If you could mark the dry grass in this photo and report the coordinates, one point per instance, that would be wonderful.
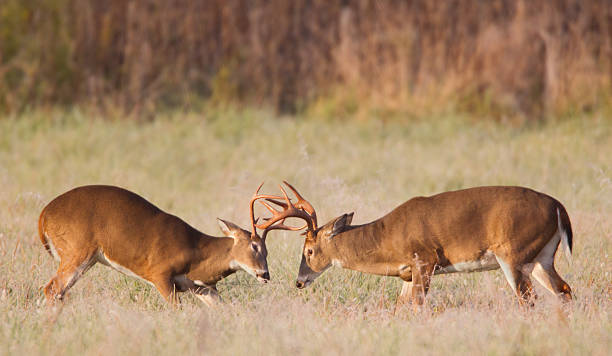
(201, 169)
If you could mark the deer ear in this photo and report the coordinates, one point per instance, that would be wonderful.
(229, 229)
(349, 218)
(340, 224)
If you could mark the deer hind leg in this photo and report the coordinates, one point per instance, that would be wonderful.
(525, 290)
(67, 275)
(518, 281)
(544, 271)
(548, 277)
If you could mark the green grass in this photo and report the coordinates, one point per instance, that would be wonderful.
(202, 166)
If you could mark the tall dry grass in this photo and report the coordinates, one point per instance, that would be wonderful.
(496, 59)
(200, 168)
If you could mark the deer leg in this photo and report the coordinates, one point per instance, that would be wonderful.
(67, 275)
(208, 295)
(406, 293)
(421, 278)
(52, 288)
(167, 288)
(518, 281)
(525, 290)
(548, 277)
(544, 272)
(406, 276)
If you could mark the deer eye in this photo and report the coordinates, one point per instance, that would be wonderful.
(309, 252)
(254, 247)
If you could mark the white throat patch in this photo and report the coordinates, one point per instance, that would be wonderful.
(235, 265)
(336, 263)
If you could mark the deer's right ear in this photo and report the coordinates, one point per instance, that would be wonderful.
(229, 229)
(349, 218)
(340, 223)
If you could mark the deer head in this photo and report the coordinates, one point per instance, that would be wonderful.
(314, 258)
(249, 251)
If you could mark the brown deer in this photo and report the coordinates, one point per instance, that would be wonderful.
(476, 229)
(122, 230)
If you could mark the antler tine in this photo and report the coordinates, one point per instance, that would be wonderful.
(256, 197)
(302, 210)
(278, 215)
(279, 203)
(281, 226)
(286, 196)
(258, 188)
(277, 221)
(289, 204)
(269, 207)
(303, 203)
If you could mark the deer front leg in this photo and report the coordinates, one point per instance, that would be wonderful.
(406, 293)
(416, 277)
(207, 294)
(167, 288)
(421, 278)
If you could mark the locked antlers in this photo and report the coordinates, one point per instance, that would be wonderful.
(302, 209)
(256, 197)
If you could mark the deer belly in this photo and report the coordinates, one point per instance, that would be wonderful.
(102, 258)
(486, 262)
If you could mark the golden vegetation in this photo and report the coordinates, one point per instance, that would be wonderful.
(396, 59)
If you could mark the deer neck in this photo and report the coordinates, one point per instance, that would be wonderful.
(359, 249)
(213, 262)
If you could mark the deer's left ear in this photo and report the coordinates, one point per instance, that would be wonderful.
(229, 229)
(340, 224)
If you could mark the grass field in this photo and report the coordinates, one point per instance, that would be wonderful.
(204, 166)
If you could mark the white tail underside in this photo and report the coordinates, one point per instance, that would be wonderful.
(564, 238)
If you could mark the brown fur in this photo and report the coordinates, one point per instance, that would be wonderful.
(427, 234)
(86, 222)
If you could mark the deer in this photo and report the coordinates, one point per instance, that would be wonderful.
(124, 231)
(513, 228)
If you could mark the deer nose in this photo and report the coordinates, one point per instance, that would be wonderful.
(299, 284)
(265, 275)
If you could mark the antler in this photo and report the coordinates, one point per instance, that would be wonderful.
(303, 204)
(302, 209)
(289, 210)
(256, 197)
(278, 216)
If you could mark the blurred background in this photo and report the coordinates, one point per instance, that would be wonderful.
(499, 59)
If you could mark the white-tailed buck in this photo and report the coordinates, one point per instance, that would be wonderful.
(124, 231)
(477, 229)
